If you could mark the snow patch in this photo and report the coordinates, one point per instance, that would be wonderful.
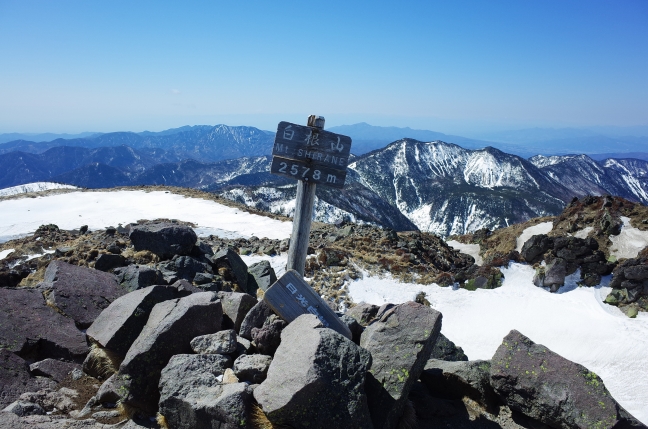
(583, 233)
(33, 187)
(629, 242)
(541, 228)
(575, 324)
(98, 210)
(5, 253)
(468, 249)
(278, 262)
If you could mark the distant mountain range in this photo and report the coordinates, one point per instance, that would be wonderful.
(406, 184)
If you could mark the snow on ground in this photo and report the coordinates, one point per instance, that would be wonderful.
(575, 324)
(629, 242)
(33, 187)
(98, 210)
(541, 228)
(583, 233)
(5, 253)
(468, 249)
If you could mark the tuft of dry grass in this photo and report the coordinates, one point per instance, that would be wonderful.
(103, 361)
(161, 421)
(259, 420)
(126, 411)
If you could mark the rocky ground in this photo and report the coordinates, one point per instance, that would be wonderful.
(145, 325)
(582, 238)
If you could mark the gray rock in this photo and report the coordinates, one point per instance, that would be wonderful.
(134, 277)
(185, 288)
(400, 340)
(108, 261)
(316, 379)
(354, 327)
(168, 331)
(235, 306)
(15, 379)
(455, 380)
(117, 327)
(363, 313)
(268, 337)
(539, 383)
(222, 342)
(29, 327)
(78, 292)
(192, 397)
(255, 319)
(555, 273)
(164, 239)
(111, 391)
(55, 369)
(252, 368)
(263, 276)
(187, 267)
(535, 247)
(230, 259)
(243, 347)
(21, 408)
(63, 399)
(444, 349)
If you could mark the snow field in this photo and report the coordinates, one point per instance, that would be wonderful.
(33, 187)
(468, 249)
(541, 228)
(98, 210)
(629, 242)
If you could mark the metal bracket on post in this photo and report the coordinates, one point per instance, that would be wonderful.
(303, 215)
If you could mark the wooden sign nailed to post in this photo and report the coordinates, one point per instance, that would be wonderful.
(291, 296)
(310, 154)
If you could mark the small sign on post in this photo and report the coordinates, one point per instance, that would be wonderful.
(291, 296)
(310, 154)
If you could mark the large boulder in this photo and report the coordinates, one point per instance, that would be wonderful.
(78, 292)
(252, 368)
(32, 329)
(222, 342)
(15, 378)
(444, 349)
(263, 276)
(268, 337)
(459, 379)
(185, 267)
(316, 379)
(255, 318)
(168, 331)
(543, 385)
(117, 327)
(400, 340)
(134, 277)
(165, 239)
(192, 397)
(535, 247)
(235, 306)
(57, 370)
(230, 260)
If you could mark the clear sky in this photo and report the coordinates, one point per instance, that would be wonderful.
(451, 66)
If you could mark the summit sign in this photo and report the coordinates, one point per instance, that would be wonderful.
(310, 154)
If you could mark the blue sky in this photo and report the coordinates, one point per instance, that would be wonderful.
(456, 67)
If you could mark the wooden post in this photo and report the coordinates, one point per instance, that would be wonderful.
(303, 216)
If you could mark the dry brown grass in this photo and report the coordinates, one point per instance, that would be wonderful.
(103, 361)
(259, 420)
(161, 421)
(126, 411)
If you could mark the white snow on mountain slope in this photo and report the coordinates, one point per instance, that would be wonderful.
(575, 324)
(468, 249)
(541, 228)
(5, 253)
(20, 217)
(33, 187)
(629, 242)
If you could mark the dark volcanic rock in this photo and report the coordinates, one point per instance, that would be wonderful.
(268, 337)
(222, 342)
(252, 368)
(535, 247)
(15, 379)
(78, 292)
(364, 313)
(228, 258)
(235, 306)
(163, 239)
(117, 327)
(168, 331)
(444, 349)
(263, 276)
(135, 277)
(543, 385)
(255, 319)
(108, 261)
(454, 380)
(31, 329)
(400, 340)
(192, 397)
(315, 379)
(57, 370)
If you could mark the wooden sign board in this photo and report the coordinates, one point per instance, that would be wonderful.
(310, 154)
(291, 296)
